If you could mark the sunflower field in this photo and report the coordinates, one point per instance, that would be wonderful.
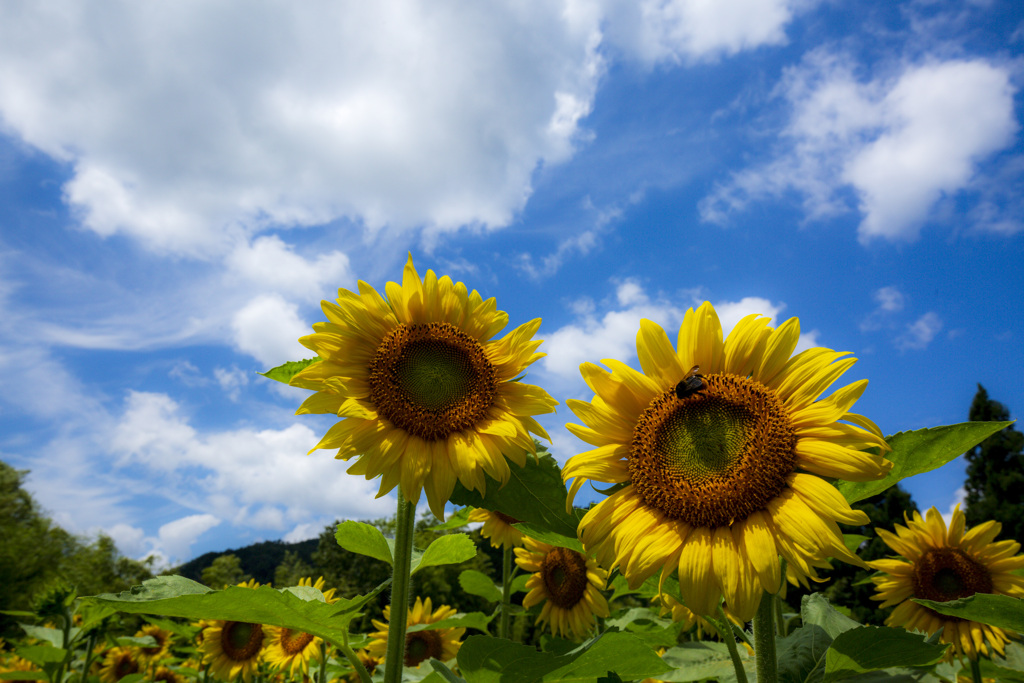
(732, 475)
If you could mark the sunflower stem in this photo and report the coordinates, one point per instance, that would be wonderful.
(976, 670)
(764, 640)
(352, 658)
(394, 659)
(725, 632)
(780, 620)
(506, 594)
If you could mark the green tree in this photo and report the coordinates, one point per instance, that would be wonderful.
(293, 569)
(226, 570)
(995, 472)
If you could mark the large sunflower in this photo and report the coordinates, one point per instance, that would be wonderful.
(424, 391)
(719, 470)
(233, 648)
(942, 564)
(439, 643)
(567, 582)
(497, 527)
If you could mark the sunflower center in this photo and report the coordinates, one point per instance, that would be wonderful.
(294, 642)
(565, 576)
(125, 665)
(422, 645)
(431, 380)
(943, 574)
(241, 641)
(715, 457)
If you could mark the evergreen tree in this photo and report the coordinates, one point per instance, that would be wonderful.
(995, 472)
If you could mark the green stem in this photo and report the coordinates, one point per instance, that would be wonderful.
(780, 620)
(725, 632)
(764, 641)
(976, 670)
(89, 649)
(352, 658)
(504, 630)
(394, 659)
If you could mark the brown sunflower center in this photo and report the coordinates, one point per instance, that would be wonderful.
(713, 457)
(565, 576)
(506, 518)
(943, 574)
(124, 666)
(421, 646)
(431, 380)
(160, 638)
(241, 641)
(294, 642)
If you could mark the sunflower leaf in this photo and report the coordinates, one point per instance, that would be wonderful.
(1001, 611)
(870, 648)
(364, 539)
(533, 493)
(801, 654)
(457, 519)
(922, 450)
(448, 549)
(549, 537)
(284, 373)
(479, 584)
(476, 620)
(815, 609)
(176, 596)
(699, 661)
(24, 676)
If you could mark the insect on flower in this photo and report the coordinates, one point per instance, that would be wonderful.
(691, 384)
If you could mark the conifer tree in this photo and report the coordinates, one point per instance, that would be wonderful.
(995, 472)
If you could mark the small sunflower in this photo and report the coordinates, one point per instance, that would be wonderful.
(369, 662)
(567, 582)
(719, 449)
(233, 648)
(440, 643)
(117, 664)
(147, 656)
(497, 528)
(941, 564)
(166, 675)
(289, 650)
(425, 393)
(319, 584)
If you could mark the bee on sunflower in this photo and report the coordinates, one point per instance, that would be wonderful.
(943, 563)
(569, 585)
(721, 451)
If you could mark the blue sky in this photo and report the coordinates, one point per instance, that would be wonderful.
(180, 185)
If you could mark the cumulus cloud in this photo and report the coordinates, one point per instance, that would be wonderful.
(270, 264)
(889, 300)
(231, 381)
(191, 127)
(267, 328)
(920, 333)
(900, 143)
(176, 538)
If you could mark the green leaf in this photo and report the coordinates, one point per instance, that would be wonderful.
(495, 660)
(135, 641)
(284, 373)
(703, 660)
(647, 625)
(870, 648)
(801, 654)
(549, 537)
(479, 584)
(534, 493)
(53, 636)
(994, 610)
(815, 609)
(1008, 668)
(449, 549)
(176, 596)
(920, 451)
(457, 519)
(854, 541)
(364, 539)
(519, 583)
(24, 676)
(42, 655)
(444, 672)
(476, 620)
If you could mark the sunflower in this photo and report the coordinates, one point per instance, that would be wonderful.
(319, 584)
(567, 582)
(717, 451)
(233, 648)
(369, 662)
(440, 643)
(165, 675)
(425, 393)
(147, 656)
(681, 613)
(941, 564)
(117, 664)
(497, 527)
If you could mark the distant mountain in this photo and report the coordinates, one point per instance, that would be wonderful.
(258, 560)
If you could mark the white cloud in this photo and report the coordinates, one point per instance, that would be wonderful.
(959, 496)
(270, 264)
(176, 538)
(920, 333)
(890, 301)
(231, 381)
(268, 329)
(900, 143)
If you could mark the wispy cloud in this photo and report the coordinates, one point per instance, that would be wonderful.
(920, 333)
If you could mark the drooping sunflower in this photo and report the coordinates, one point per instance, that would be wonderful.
(423, 389)
(941, 564)
(718, 449)
(567, 582)
(497, 527)
(117, 664)
(439, 643)
(233, 648)
(681, 613)
(147, 656)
